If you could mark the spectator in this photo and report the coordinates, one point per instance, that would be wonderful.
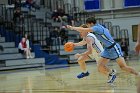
(17, 15)
(55, 16)
(63, 34)
(137, 47)
(62, 15)
(27, 41)
(77, 22)
(23, 49)
(59, 15)
(60, 11)
(31, 4)
(54, 35)
(17, 4)
(70, 20)
(124, 47)
(1, 48)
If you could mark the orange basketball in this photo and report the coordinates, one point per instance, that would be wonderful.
(69, 46)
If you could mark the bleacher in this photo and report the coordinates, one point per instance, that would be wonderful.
(38, 25)
(11, 59)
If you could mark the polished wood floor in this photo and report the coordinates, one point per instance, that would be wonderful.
(63, 80)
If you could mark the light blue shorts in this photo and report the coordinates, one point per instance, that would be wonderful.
(112, 53)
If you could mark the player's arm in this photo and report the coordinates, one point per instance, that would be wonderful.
(137, 47)
(79, 29)
(81, 43)
(89, 41)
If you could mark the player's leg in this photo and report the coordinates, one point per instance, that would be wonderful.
(102, 66)
(121, 62)
(123, 66)
(81, 61)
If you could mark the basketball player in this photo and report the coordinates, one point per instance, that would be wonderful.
(112, 49)
(137, 48)
(94, 48)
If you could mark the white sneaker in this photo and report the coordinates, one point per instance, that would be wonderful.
(27, 57)
(31, 57)
(112, 76)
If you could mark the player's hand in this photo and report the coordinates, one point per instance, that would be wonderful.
(69, 27)
(137, 48)
(74, 44)
(77, 55)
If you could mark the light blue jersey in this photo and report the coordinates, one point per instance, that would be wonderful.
(112, 50)
(103, 35)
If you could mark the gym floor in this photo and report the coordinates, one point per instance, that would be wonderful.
(63, 80)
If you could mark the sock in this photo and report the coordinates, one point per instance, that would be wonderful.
(85, 71)
(113, 71)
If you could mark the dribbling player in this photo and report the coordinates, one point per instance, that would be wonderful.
(94, 48)
(112, 49)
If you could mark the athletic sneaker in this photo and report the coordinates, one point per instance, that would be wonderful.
(112, 76)
(83, 75)
(27, 57)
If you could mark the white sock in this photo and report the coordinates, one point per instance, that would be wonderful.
(84, 71)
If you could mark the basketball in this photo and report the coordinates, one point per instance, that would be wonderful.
(69, 46)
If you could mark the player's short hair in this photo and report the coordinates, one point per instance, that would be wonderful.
(84, 26)
(91, 20)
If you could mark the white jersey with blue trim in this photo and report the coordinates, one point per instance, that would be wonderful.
(103, 35)
(96, 44)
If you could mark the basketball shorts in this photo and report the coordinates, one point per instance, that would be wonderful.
(113, 52)
(94, 55)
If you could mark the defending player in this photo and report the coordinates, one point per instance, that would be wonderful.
(112, 49)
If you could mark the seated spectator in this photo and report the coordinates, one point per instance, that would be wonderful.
(62, 15)
(55, 16)
(124, 47)
(17, 15)
(64, 35)
(77, 22)
(31, 4)
(17, 4)
(54, 35)
(70, 20)
(23, 49)
(1, 48)
(27, 41)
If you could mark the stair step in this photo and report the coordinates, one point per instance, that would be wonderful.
(71, 57)
(73, 32)
(2, 39)
(75, 61)
(21, 66)
(56, 24)
(12, 56)
(9, 50)
(62, 47)
(8, 44)
(24, 62)
(62, 52)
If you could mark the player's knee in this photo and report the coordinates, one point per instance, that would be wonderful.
(80, 61)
